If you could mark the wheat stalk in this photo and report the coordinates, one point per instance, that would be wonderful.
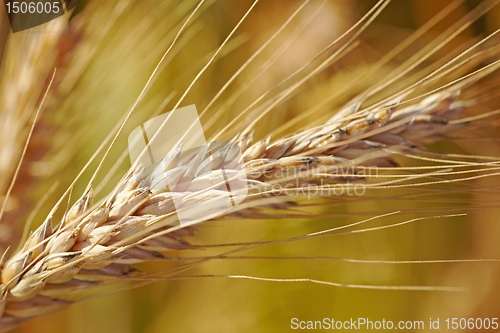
(97, 244)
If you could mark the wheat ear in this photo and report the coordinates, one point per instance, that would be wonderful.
(136, 222)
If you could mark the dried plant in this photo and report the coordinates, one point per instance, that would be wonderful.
(72, 257)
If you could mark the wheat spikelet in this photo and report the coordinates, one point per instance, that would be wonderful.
(95, 245)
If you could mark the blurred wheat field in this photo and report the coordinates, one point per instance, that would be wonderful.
(104, 55)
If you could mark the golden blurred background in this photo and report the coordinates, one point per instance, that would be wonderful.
(104, 60)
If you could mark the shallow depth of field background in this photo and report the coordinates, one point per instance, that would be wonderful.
(117, 64)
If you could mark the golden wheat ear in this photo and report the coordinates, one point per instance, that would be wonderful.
(98, 241)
